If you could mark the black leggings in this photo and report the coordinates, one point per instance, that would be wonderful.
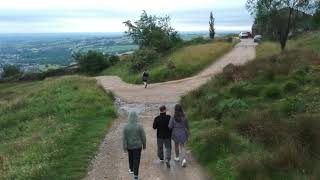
(134, 160)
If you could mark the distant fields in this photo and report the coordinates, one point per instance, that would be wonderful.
(188, 61)
(51, 129)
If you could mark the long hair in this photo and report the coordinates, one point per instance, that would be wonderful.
(178, 113)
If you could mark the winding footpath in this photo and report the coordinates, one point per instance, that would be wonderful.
(111, 163)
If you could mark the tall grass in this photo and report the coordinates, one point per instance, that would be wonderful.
(51, 129)
(187, 61)
(261, 121)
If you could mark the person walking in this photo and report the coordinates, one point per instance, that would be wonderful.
(134, 140)
(180, 132)
(145, 78)
(161, 124)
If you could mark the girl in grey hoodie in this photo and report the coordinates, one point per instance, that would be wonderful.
(180, 132)
(134, 140)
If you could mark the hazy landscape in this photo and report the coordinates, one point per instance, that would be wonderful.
(34, 52)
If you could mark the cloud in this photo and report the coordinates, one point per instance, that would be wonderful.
(107, 16)
(126, 5)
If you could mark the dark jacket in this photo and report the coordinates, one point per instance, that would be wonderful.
(161, 124)
(145, 76)
(134, 136)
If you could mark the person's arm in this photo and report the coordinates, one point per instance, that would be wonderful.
(124, 140)
(170, 123)
(155, 123)
(143, 137)
(187, 128)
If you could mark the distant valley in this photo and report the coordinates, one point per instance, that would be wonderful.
(40, 52)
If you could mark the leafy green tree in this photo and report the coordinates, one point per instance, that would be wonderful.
(280, 15)
(91, 62)
(212, 32)
(316, 16)
(11, 71)
(153, 32)
(142, 59)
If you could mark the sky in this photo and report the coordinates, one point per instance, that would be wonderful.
(55, 16)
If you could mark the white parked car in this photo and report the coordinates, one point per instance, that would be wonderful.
(244, 35)
(257, 38)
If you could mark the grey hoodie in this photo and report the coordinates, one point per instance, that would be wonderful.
(134, 136)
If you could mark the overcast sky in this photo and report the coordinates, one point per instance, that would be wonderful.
(39, 16)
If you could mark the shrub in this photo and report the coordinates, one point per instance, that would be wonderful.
(290, 86)
(229, 71)
(308, 134)
(262, 127)
(10, 71)
(142, 59)
(248, 167)
(287, 156)
(272, 91)
(91, 62)
(292, 105)
(210, 142)
(197, 40)
(114, 59)
(243, 89)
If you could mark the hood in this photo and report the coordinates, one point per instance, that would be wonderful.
(133, 118)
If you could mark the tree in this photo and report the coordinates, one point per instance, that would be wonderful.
(316, 17)
(212, 32)
(153, 32)
(11, 71)
(91, 62)
(280, 15)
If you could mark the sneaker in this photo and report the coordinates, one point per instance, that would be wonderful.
(168, 164)
(130, 172)
(184, 163)
(135, 178)
(161, 160)
(177, 159)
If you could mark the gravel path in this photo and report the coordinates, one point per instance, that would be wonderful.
(111, 163)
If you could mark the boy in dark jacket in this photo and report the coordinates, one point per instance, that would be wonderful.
(161, 123)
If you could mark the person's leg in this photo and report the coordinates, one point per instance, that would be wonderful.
(136, 162)
(176, 148)
(183, 155)
(182, 151)
(167, 144)
(160, 148)
(130, 157)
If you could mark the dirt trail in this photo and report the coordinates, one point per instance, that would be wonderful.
(111, 163)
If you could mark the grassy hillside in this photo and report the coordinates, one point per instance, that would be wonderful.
(261, 120)
(187, 61)
(51, 129)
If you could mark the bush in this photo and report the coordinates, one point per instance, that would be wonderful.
(290, 86)
(91, 62)
(292, 105)
(272, 91)
(287, 156)
(11, 71)
(142, 59)
(243, 89)
(197, 40)
(210, 143)
(248, 167)
(308, 134)
(113, 60)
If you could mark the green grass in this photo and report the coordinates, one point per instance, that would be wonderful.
(51, 129)
(309, 41)
(188, 61)
(265, 125)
